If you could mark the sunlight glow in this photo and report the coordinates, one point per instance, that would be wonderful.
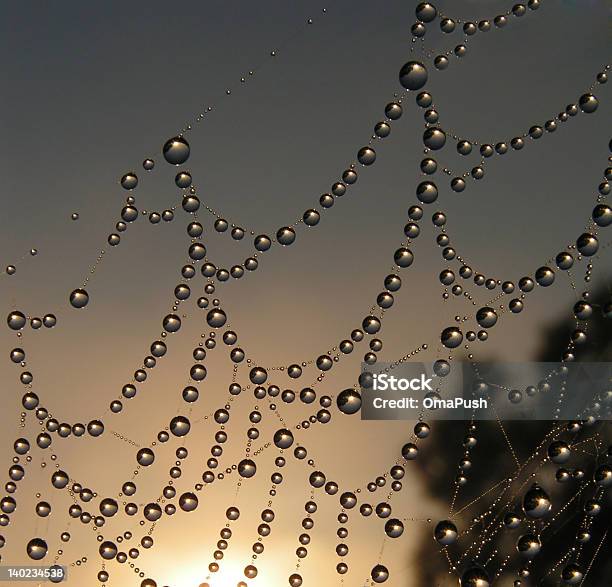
(230, 575)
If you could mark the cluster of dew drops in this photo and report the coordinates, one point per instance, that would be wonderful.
(535, 502)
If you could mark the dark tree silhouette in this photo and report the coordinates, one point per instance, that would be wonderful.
(492, 460)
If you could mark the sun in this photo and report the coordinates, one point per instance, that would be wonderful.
(222, 582)
(229, 575)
